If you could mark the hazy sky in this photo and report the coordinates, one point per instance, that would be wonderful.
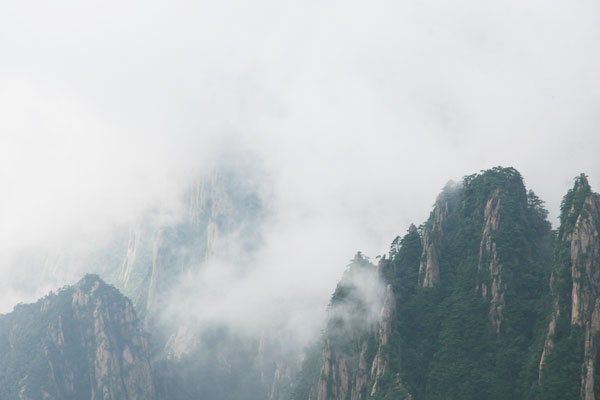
(358, 111)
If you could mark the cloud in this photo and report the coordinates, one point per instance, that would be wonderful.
(359, 112)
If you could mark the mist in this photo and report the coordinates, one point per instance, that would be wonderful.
(356, 115)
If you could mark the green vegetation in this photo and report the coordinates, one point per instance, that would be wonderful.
(46, 346)
(445, 343)
(306, 381)
(478, 333)
(446, 330)
(561, 378)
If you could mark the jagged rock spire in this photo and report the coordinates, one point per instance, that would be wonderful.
(579, 304)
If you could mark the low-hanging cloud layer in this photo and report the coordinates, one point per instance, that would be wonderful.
(359, 112)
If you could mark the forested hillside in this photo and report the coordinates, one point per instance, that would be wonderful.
(482, 301)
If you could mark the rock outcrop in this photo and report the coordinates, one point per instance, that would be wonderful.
(434, 233)
(192, 238)
(335, 379)
(356, 356)
(585, 311)
(429, 269)
(493, 290)
(462, 299)
(381, 363)
(83, 343)
(130, 257)
(579, 262)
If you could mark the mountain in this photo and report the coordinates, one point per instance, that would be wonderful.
(218, 224)
(156, 261)
(569, 366)
(483, 300)
(218, 218)
(84, 342)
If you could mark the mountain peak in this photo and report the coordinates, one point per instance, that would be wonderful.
(83, 342)
(91, 285)
(412, 228)
(90, 279)
(581, 183)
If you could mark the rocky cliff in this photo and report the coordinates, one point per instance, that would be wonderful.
(461, 303)
(85, 342)
(482, 301)
(164, 245)
(429, 268)
(357, 356)
(575, 283)
(489, 262)
(215, 221)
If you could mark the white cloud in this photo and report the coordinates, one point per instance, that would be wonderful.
(359, 111)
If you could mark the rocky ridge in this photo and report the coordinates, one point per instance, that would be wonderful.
(83, 342)
(461, 298)
(575, 285)
(356, 375)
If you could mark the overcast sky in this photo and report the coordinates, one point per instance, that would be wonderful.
(359, 111)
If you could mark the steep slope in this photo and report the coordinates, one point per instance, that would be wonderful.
(85, 342)
(463, 303)
(355, 358)
(219, 223)
(359, 356)
(217, 220)
(569, 364)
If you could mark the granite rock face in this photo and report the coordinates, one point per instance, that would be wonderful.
(429, 269)
(488, 254)
(355, 355)
(575, 284)
(462, 298)
(85, 342)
